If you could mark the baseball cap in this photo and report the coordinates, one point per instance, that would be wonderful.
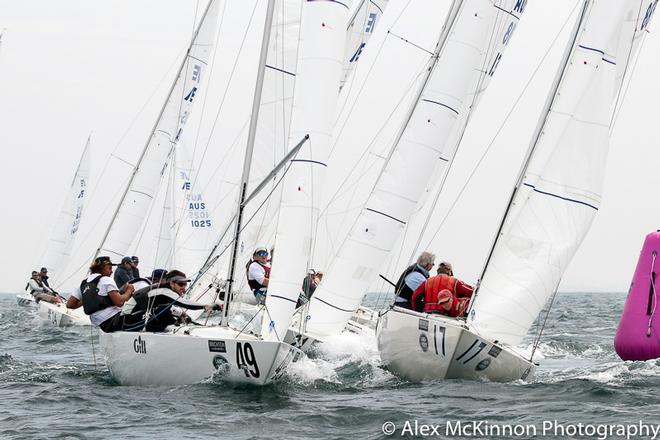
(103, 259)
(126, 260)
(260, 249)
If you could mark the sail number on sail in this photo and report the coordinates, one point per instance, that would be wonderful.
(519, 8)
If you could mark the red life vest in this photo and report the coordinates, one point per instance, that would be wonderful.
(433, 303)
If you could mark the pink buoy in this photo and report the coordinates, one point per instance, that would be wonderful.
(638, 335)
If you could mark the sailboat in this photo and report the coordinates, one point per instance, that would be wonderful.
(62, 240)
(556, 196)
(408, 139)
(233, 353)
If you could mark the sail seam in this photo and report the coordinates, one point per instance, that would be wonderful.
(507, 12)
(386, 215)
(309, 161)
(281, 70)
(333, 306)
(331, 1)
(561, 197)
(283, 297)
(440, 104)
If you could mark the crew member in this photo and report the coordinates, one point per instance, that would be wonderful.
(411, 278)
(442, 294)
(136, 272)
(40, 291)
(158, 306)
(43, 274)
(100, 296)
(258, 273)
(309, 285)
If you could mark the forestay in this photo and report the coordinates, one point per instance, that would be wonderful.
(317, 83)
(560, 191)
(64, 234)
(152, 164)
(457, 71)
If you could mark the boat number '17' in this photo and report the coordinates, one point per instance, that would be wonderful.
(246, 360)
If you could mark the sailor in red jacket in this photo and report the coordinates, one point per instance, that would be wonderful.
(442, 294)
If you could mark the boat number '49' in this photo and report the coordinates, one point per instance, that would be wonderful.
(246, 360)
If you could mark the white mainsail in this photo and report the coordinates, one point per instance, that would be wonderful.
(270, 146)
(152, 164)
(314, 106)
(64, 234)
(428, 138)
(366, 15)
(560, 189)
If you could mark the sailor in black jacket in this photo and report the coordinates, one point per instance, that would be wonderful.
(160, 305)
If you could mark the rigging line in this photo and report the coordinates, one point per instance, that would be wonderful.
(163, 216)
(91, 340)
(630, 50)
(224, 96)
(367, 150)
(97, 185)
(86, 262)
(366, 80)
(187, 70)
(411, 43)
(247, 222)
(615, 113)
(252, 319)
(537, 341)
(208, 88)
(501, 127)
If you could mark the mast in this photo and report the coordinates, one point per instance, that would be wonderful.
(537, 134)
(136, 168)
(254, 119)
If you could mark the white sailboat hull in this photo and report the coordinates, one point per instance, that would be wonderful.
(25, 299)
(419, 346)
(192, 354)
(60, 316)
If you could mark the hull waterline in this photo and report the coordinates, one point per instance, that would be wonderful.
(419, 346)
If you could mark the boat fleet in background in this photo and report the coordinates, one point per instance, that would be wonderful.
(357, 114)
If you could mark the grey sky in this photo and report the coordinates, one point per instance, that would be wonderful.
(70, 67)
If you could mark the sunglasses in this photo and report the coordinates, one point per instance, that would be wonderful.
(262, 254)
(181, 283)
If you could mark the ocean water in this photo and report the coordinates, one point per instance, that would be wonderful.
(51, 387)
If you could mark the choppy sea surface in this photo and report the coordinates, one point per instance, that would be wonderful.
(51, 387)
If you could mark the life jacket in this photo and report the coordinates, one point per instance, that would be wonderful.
(254, 284)
(401, 289)
(432, 289)
(92, 301)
